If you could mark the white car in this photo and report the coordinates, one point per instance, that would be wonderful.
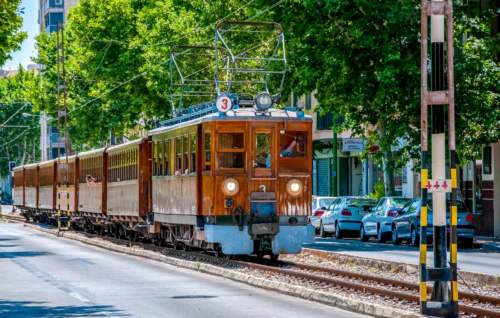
(344, 215)
(319, 206)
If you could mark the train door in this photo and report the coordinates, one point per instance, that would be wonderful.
(262, 152)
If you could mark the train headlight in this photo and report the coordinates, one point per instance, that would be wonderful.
(263, 101)
(230, 187)
(294, 187)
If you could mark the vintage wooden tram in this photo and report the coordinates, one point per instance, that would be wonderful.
(237, 182)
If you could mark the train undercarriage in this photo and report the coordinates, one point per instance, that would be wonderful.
(221, 236)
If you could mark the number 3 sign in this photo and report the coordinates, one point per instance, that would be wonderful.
(224, 104)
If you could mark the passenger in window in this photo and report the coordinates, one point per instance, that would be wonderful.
(294, 148)
(264, 160)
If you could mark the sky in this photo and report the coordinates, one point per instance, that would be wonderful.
(30, 25)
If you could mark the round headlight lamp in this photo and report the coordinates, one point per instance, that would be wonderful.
(294, 187)
(263, 101)
(230, 187)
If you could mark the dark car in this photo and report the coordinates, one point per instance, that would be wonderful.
(407, 225)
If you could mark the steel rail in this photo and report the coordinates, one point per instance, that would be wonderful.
(464, 308)
(393, 282)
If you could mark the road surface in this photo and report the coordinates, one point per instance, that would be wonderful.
(472, 260)
(45, 276)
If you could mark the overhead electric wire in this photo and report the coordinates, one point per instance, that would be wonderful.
(171, 41)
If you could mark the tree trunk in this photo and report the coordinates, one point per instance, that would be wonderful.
(388, 168)
(387, 163)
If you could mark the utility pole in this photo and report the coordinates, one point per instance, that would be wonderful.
(444, 298)
(62, 113)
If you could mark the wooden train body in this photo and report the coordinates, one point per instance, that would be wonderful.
(236, 184)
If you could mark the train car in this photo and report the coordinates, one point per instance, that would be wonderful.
(31, 193)
(47, 174)
(90, 213)
(18, 187)
(127, 195)
(66, 185)
(237, 184)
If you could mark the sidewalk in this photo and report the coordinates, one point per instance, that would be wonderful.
(491, 244)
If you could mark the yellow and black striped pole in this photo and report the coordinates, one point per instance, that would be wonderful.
(443, 301)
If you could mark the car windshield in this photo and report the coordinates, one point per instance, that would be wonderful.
(361, 202)
(399, 202)
(325, 202)
(460, 206)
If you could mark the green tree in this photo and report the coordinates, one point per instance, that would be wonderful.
(362, 58)
(11, 35)
(19, 127)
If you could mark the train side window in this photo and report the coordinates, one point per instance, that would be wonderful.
(166, 158)
(178, 156)
(207, 147)
(185, 154)
(192, 167)
(293, 144)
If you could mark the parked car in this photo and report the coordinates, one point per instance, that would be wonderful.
(319, 206)
(378, 222)
(344, 215)
(407, 225)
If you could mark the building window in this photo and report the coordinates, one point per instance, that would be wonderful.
(324, 122)
(487, 160)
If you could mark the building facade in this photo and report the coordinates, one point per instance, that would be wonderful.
(480, 188)
(356, 174)
(52, 14)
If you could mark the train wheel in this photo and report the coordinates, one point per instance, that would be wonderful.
(274, 257)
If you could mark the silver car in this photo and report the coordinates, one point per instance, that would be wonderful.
(344, 215)
(378, 222)
(319, 206)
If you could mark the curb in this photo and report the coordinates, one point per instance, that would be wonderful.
(350, 304)
(391, 266)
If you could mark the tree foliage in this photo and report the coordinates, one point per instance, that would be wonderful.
(11, 35)
(360, 56)
(19, 127)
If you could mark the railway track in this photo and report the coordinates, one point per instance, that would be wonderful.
(472, 304)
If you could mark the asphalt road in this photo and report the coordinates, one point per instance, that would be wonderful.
(472, 260)
(43, 276)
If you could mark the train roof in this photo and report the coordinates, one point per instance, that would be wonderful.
(31, 165)
(18, 168)
(46, 163)
(91, 153)
(124, 145)
(70, 158)
(242, 114)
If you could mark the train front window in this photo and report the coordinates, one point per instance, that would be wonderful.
(231, 141)
(293, 144)
(263, 150)
(231, 150)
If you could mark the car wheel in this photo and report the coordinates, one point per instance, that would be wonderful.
(380, 235)
(395, 239)
(322, 232)
(338, 231)
(414, 239)
(362, 235)
(467, 243)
